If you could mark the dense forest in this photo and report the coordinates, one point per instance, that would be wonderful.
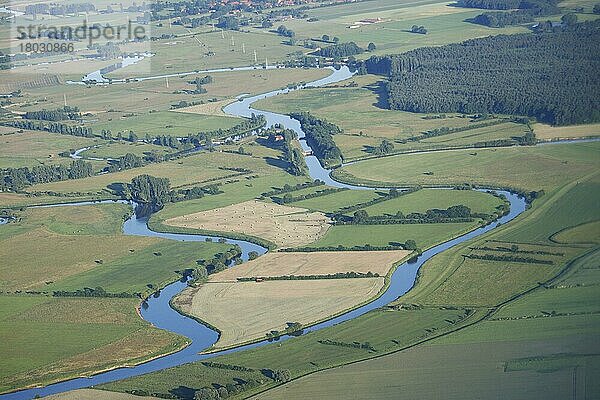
(542, 7)
(552, 76)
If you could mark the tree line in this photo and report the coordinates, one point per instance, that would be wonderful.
(288, 198)
(459, 213)
(501, 75)
(338, 275)
(16, 179)
(60, 114)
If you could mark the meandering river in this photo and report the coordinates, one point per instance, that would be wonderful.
(157, 310)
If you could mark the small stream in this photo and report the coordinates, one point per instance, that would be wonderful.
(158, 312)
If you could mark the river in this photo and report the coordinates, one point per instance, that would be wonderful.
(157, 310)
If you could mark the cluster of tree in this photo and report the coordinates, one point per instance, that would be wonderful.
(4, 61)
(319, 137)
(459, 213)
(510, 258)
(289, 188)
(354, 345)
(339, 275)
(59, 9)
(280, 375)
(60, 114)
(52, 127)
(228, 22)
(221, 260)
(226, 366)
(91, 292)
(418, 29)
(222, 392)
(366, 247)
(127, 161)
(384, 148)
(288, 198)
(341, 50)
(596, 9)
(293, 328)
(502, 75)
(392, 194)
(150, 190)
(15, 179)
(199, 83)
(283, 31)
(499, 19)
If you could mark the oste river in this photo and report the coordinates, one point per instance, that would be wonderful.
(157, 310)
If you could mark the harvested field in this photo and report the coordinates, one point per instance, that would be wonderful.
(547, 132)
(246, 311)
(212, 108)
(321, 263)
(283, 225)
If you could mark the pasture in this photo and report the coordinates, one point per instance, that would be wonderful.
(77, 247)
(94, 394)
(532, 168)
(63, 338)
(547, 132)
(31, 148)
(425, 235)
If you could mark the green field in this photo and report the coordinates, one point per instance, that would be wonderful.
(119, 149)
(60, 338)
(425, 235)
(83, 247)
(356, 108)
(167, 123)
(77, 247)
(29, 148)
(533, 168)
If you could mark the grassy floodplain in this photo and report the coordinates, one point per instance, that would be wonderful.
(77, 247)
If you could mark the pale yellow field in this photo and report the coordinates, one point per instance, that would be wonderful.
(212, 108)
(246, 311)
(283, 225)
(321, 263)
(547, 132)
(93, 394)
